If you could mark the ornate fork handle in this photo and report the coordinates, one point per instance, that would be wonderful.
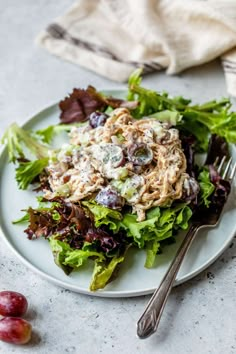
(148, 322)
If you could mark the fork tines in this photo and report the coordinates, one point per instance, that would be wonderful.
(225, 170)
(232, 174)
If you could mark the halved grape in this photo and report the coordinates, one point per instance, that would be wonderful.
(140, 154)
(110, 198)
(15, 330)
(97, 119)
(12, 303)
(112, 154)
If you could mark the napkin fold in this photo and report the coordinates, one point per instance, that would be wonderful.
(113, 37)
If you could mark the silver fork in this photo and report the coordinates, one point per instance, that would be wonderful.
(148, 322)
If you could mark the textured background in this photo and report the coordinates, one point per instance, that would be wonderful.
(200, 315)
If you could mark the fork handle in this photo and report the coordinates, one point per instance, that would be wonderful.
(148, 322)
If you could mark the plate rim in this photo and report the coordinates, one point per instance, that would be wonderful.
(102, 292)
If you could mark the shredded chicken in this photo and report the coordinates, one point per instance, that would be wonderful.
(99, 157)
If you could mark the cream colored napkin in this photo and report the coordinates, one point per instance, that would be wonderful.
(113, 37)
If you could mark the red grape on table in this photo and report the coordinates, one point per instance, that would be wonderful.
(15, 330)
(12, 304)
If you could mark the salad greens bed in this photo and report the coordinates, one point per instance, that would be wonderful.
(86, 230)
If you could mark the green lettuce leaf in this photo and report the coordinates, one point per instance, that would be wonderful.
(47, 134)
(26, 172)
(171, 117)
(222, 123)
(159, 224)
(16, 137)
(68, 258)
(103, 215)
(42, 206)
(103, 271)
(60, 250)
(22, 220)
(206, 187)
(150, 101)
(140, 231)
(183, 216)
(212, 117)
(152, 248)
(77, 258)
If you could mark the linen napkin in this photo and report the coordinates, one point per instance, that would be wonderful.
(113, 37)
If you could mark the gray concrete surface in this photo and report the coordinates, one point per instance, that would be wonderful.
(200, 315)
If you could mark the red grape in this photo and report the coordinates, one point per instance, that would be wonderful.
(12, 304)
(109, 197)
(140, 154)
(97, 119)
(15, 330)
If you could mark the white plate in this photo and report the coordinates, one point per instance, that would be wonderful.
(133, 279)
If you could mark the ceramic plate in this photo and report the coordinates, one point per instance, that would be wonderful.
(134, 279)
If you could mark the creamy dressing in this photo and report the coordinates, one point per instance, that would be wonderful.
(96, 158)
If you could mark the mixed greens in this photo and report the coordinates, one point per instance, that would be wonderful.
(87, 229)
